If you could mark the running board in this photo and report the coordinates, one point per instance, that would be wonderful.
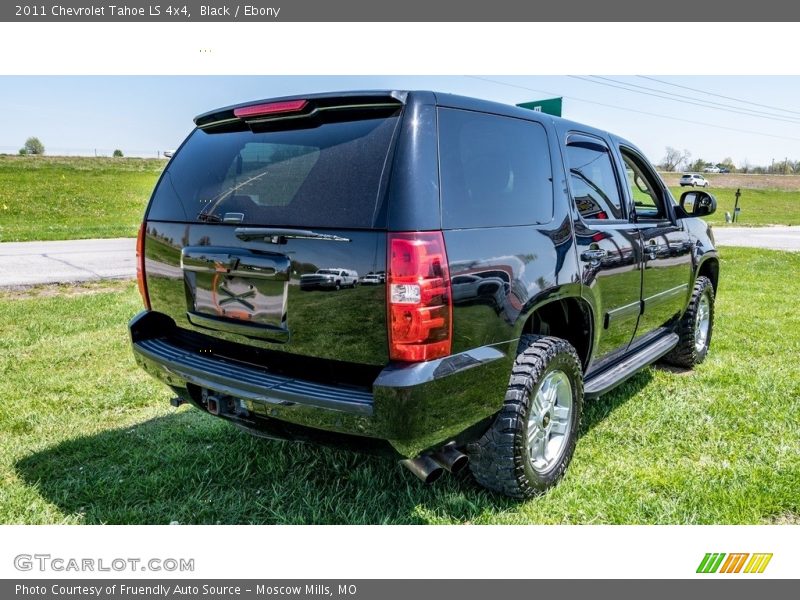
(610, 378)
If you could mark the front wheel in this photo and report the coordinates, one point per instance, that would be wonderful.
(695, 327)
(531, 441)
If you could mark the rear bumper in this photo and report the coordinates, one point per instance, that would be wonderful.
(414, 407)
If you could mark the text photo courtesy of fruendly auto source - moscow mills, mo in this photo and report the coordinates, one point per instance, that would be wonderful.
(540, 319)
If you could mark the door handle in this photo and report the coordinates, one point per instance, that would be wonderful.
(235, 262)
(593, 255)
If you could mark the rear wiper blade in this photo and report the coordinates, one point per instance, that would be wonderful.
(275, 235)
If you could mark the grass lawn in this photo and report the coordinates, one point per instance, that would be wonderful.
(759, 206)
(89, 438)
(65, 198)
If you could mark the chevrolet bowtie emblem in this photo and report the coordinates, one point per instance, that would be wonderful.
(231, 296)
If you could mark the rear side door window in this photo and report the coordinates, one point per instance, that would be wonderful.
(495, 170)
(592, 179)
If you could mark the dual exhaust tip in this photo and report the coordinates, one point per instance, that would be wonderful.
(430, 467)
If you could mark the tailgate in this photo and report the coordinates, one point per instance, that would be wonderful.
(209, 280)
(261, 195)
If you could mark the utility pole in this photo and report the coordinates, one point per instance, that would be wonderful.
(736, 205)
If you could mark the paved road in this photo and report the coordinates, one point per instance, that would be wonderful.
(28, 263)
(774, 238)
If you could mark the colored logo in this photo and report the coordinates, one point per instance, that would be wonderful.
(719, 562)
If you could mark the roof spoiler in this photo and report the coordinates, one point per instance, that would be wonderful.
(299, 106)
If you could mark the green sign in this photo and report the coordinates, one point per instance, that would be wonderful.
(551, 106)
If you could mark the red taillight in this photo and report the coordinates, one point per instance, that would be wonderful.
(140, 274)
(270, 108)
(418, 297)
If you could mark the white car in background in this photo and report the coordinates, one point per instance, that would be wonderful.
(332, 279)
(711, 170)
(694, 180)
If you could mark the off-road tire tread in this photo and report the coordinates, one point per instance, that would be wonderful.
(685, 354)
(497, 460)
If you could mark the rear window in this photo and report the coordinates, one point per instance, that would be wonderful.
(324, 176)
(495, 171)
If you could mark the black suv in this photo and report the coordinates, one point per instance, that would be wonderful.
(530, 262)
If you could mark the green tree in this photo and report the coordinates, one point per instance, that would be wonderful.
(33, 146)
(117, 153)
(697, 165)
(727, 162)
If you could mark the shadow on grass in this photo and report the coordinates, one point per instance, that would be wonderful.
(191, 468)
(595, 411)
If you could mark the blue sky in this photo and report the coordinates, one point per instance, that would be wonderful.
(142, 115)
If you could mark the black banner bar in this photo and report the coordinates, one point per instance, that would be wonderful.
(688, 15)
(713, 586)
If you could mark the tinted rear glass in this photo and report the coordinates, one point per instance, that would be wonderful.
(593, 181)
(325, 176)
(494, 170)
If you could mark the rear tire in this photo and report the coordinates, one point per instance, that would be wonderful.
(695, 327)
(530, 444)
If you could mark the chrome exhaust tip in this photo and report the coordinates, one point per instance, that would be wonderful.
(451, 459)
(425, 468)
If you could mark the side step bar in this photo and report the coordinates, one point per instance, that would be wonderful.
(610, 378)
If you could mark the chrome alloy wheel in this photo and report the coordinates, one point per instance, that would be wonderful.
(550, 421)
(702, 323)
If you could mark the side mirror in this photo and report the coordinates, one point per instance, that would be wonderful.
(698, 204)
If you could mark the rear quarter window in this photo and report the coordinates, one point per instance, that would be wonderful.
(494, 171)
